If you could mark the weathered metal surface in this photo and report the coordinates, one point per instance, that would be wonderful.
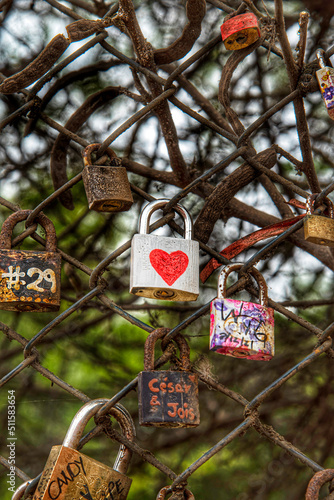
(29, 280)
(70, 475)
(240, 31)
(325, 77)
(18, 494)
(185, 494)
(317, 481)
(167, 398)
(164, 268)
(242, 329)
(107, 187)
(319, 229)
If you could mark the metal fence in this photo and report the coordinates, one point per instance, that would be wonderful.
(159, 94)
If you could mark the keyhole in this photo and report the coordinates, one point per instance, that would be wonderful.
(164, 294)
(241, 39)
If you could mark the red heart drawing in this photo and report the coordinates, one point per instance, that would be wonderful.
(170, 266)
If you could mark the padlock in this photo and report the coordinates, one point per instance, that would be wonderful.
(29, 280)
(240, 31)
(325, 77)
(242, 329)
(187, 494)
(167, 398)
(164, 268)
(70, 475)
(18, 494)
(107, 187)
(319, 229)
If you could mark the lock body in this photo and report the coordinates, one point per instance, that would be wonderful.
(70, 475)
(240, 31)
(325, 77)
(168, 398)
(164, 268)
(319, 229)
(29, 280)
(107, 188)
(242, 329)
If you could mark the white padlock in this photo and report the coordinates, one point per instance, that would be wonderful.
(161, 267)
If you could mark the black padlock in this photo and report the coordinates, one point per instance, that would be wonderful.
(29, 280)
(167, 398)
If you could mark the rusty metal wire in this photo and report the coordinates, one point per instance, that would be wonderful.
(163, 90)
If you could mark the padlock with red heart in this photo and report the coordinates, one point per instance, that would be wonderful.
(164, 268)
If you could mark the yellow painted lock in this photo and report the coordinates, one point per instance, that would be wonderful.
(319, 229)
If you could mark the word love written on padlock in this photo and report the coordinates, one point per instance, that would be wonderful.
(242, 329)
(70, 475)
(319, 229)
(167, 398)
(240, 31)
(325, 77)
(164, 268)
(29, 280)
(107, 187)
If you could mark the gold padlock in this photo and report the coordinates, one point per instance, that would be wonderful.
(319, 229)
(70, 475)
(107, 187)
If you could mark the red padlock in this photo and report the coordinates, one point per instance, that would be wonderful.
(240, 31)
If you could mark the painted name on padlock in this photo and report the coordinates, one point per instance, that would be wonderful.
(168, 397)
(242, 325)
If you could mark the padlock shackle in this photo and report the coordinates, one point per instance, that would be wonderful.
(86, 153)
(320, 53)
(326, 201)
(188, 495)
(83, 416)
(19, 492)
(150, 345)
(144, 219)
(20, 215)
(263, 299)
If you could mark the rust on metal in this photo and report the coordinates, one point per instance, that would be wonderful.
(107, 187)
(317, 481)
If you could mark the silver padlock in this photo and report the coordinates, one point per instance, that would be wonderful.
(164, 268)
(18, 494)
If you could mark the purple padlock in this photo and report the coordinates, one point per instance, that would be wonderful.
(242, 329)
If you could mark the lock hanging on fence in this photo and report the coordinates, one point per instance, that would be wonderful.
(164, 268)
(187, 494)
(240, 31)
(238, 328)
(325, 77)
(29, 280)
(167, 398)
(70, 475)
(107, 187)
(319, 229)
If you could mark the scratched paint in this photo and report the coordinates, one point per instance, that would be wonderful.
(325, 77)
(242, 329)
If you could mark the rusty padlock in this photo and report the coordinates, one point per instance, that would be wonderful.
(316, 482)
(40, 289)
(167, 398)
(107, 187)
(70, 475)
(238, 328)
(18, 494)
(240, 31)
(319, 229)
(164, 268)
(325, 77)
(187, 494)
